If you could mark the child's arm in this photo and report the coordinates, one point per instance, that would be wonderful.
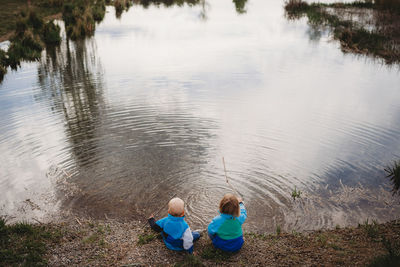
(188, 240)
(213, 227)
(154, 225)
(243, 213)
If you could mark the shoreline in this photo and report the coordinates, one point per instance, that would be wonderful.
(79, 241)
(7, 36)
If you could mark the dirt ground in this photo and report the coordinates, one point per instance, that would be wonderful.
(84, 242)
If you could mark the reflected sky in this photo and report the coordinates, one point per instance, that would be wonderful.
(118, 123)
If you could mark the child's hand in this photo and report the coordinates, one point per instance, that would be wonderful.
(240, 199)
(151, 216)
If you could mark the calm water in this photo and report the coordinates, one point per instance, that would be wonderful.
(117, 124)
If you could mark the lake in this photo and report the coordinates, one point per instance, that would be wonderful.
(117, 124)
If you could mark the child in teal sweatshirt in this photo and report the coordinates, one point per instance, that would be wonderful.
(225, 230)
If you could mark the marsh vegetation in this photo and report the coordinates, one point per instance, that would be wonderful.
(33, 32)
(31, 35)
(80, 17)
(350, 24)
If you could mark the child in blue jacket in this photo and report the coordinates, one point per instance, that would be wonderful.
(174, 230)
(225, 230)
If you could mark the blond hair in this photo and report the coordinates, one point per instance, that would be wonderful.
(229, 204)
(176, 207)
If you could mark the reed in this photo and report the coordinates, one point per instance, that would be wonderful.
(80, 17)
(3, 64)
(79, 21)
(393, 173)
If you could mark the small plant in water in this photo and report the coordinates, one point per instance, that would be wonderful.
(278, 230)
(296, 193)
(372, 229)
(393, 172)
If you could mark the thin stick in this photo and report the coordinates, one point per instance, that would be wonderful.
(77, 220)
(227, 181)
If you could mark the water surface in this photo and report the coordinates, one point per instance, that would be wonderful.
(117, 124)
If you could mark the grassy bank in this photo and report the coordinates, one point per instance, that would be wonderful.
(81, 242)
(25, 244)
(378, 36)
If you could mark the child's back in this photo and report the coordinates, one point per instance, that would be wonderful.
(225, 230)
(175, 231)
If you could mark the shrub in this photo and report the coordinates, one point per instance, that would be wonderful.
(99, 10)
(34, 20)
(393, 172)
(28, 47)
(296, 8)
(51, 34)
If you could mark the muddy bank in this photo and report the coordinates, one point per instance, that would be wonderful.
(85, 242)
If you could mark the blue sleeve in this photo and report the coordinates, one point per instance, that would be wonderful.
(214, 225)
(243, 213)
(161, 222)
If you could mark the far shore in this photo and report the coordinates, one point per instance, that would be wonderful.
(7, 36)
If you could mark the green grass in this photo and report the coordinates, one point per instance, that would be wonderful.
(391, 258)
(371, 229)
(189, 261)
(97, 235)
(217, 255)
(322, 239)
(146, 238)
(255, 235)
(24, 244)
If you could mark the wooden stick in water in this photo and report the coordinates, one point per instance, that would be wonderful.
(227, 181)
